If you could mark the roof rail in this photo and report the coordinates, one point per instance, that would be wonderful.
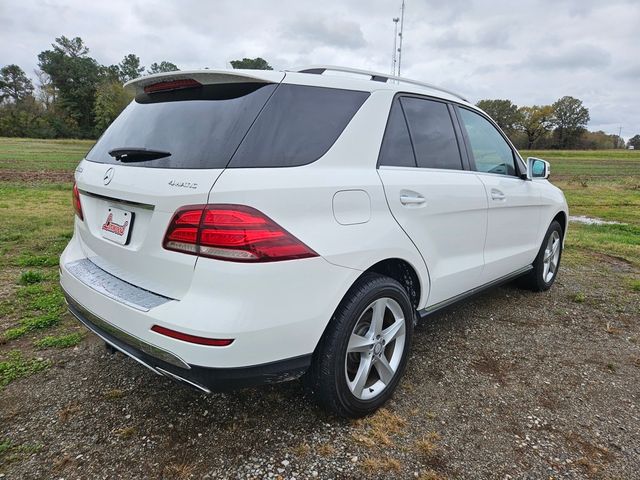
(374, 76)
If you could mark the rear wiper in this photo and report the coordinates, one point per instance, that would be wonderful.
(134, 154)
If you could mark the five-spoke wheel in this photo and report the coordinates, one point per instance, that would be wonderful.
(375, 348)
(364, 350)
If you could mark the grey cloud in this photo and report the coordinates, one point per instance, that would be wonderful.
(631, 72)
(495, 38)
(325, 31)
(577, 57)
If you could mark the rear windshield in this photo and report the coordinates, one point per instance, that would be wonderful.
(200, 127)
(249, 125)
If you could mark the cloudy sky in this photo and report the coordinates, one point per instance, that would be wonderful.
(529, 51)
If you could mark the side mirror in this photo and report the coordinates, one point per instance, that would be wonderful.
(537, 168)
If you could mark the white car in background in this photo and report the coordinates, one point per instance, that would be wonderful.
(243, 227)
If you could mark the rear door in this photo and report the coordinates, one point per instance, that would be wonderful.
(514, 202)
(441, 206)
(128, 201)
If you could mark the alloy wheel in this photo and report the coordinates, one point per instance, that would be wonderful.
(375, 348)
(551, 256)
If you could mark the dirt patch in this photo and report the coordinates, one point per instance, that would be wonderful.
(41, 176)
(509, 383)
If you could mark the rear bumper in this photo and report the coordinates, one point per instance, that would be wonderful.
(274, 312)
(165, 363)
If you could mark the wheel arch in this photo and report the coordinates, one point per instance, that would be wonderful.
(403, 272)
(561, 218)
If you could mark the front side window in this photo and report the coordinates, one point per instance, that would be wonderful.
(432, 133)
(491, 152)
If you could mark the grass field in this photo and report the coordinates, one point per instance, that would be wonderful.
(36, 218)
(27, 154)
(602, 184)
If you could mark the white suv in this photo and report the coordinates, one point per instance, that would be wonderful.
(243, 227)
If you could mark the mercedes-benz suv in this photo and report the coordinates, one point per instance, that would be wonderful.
(242, 227)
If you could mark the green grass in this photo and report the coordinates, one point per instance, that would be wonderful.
(589, 163)
(37, 222)
(59, 341)
(15, 367)
(5, 446)
(28, 154)
(30, 324)
(621, 241)
(10, 452)
(30, 277)
(45, 310)
(601, 184)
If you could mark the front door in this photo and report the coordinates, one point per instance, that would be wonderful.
(514, 202)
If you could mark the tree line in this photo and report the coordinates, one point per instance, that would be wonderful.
(561, 125)
(77, 97)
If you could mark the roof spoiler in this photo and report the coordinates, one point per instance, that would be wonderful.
(205, 77)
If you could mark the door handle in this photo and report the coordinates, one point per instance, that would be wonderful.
(497, 194)
(412, 199)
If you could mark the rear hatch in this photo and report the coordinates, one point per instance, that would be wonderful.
(164, 151)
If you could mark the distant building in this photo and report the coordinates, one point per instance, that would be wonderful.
(631, 147)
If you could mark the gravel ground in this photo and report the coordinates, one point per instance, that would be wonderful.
(509, 385)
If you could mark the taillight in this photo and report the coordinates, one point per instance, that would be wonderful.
(185, 337)
(172, 85)
(232, 232)
(77, 206)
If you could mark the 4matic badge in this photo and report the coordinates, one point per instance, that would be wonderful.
(175, 183)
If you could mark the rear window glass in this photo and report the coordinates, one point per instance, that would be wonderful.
(434, 138)
(200, 127)
(249, 125)
(297, 126)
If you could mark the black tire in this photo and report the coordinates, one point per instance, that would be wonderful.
(534, 280)
(327, 376)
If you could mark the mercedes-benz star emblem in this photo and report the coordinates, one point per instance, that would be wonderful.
(108, 176)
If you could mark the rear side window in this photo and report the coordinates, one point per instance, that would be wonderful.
(432, 133)
(200, 127)
(396, 147)
(297, 126)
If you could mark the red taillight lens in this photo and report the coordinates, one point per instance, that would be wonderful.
(185, 337)
(172, 85)
(77, 206)
(232, 232)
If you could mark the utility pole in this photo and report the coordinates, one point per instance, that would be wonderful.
(620, 137)
(395, 45)
(401, 35)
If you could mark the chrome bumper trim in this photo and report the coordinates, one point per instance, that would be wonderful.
(98, 326)
(166, 373)
(111, 286)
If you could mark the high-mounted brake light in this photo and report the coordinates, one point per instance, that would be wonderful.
(172, 85)
(77, 206)
(185, 337)
(232, 232)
